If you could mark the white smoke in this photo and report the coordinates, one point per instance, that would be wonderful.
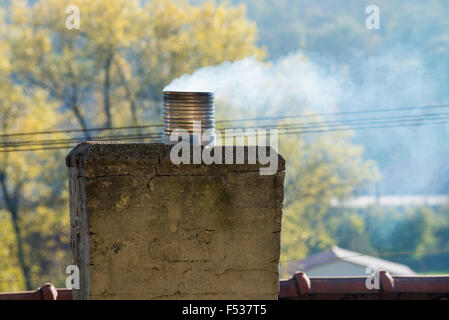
(295, 83)
(288, 85)
(393, 78)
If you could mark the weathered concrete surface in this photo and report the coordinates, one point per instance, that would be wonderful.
(144, 228)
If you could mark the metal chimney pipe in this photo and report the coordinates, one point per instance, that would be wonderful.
(182, 109)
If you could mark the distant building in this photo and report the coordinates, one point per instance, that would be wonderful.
(393, 201)
(342, 262)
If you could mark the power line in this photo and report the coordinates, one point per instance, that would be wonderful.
(326, 125)
(61, 145)
(292, 131)
(79, 130)
(285, 129)
(325, 114)
(340, 127)
(379, 126)
(320, 123)
(78, 139)
(99, 129)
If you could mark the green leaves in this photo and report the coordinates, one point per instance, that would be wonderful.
(319, 169)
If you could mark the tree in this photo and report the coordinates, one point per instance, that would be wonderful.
(319, 169)
(29, 183)
(109, 72)
(112, 70)
(336, 28)
(348, 230)
(409, 231)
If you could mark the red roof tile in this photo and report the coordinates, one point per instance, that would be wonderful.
(301, 287)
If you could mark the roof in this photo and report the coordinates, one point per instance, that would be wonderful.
(46, 292)
(302, 287)
(336, 253)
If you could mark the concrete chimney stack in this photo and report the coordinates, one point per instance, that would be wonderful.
(145, 228)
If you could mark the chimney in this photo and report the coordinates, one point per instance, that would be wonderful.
(145, 228)
(182, 109)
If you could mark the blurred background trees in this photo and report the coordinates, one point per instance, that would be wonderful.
(320, 169)
(111, 72)
(334, 28)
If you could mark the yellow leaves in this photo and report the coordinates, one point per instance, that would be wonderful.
(21, 113)
(48, 220)
(229, 24)
(38, 114)
(11, 276)
(184, 37)
(167, 17)
(19, 11)
(154, 42)
(4, 56)
(47, 69)
(110, 23)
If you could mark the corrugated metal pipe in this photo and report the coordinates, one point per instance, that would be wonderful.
(193, 112)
